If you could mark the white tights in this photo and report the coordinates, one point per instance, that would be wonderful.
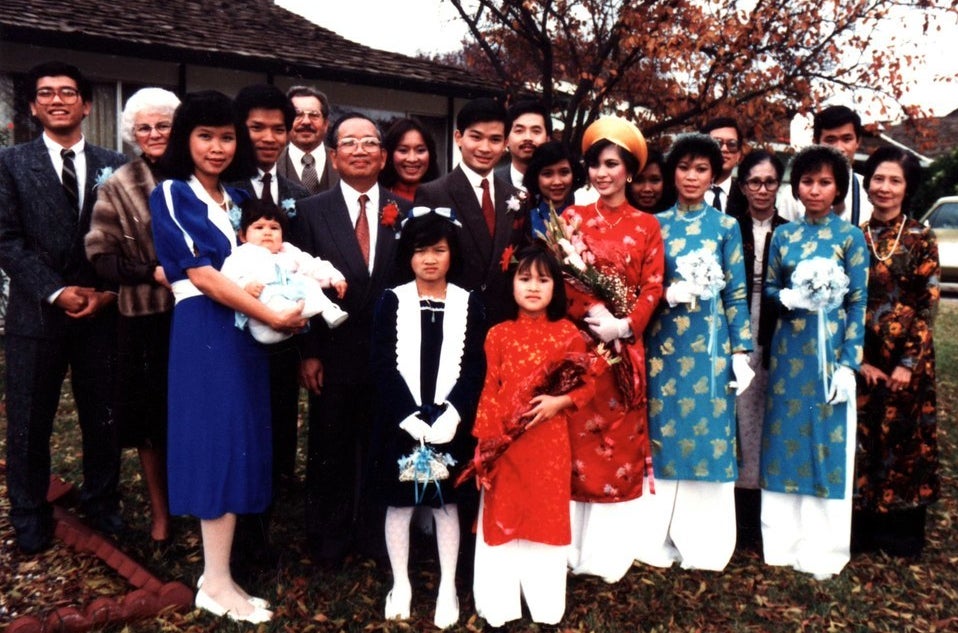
(447, 540)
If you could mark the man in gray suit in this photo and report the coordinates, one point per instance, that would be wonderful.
(60, 315)
(353, 226)
(307, 160)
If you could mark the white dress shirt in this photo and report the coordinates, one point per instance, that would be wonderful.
(296, 157)
(372, 214)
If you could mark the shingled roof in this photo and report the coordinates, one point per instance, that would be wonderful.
(251, 35)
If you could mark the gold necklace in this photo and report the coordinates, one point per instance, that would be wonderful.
(612, 225)
(894, 247)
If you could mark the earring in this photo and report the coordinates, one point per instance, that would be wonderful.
(629, 180)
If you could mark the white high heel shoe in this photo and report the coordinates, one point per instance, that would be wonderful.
(259, 603)
(257, 616)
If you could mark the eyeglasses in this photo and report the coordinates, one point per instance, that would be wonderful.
(67, 95)
(730, 145)
(755, 184)
(146, 129)
(350, 144)
(312, 115)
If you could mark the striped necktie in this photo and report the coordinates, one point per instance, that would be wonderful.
(69, 178)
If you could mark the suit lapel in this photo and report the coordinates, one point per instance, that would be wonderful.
(344, 236)
(48, 188)
(470, 213)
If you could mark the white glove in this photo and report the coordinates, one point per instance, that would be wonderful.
(742, 371)
(609, 328)
(444, 428)
(791, 299)
(415, 427)
(843, 386)
(680, 292)
(598, 310)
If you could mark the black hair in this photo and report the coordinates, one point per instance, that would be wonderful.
(693, 146)
(254, 209)
(757, 157)
(482, 110)
(834, 117)
(814, 158)
(209, 108)
(264, 97)
(910, 167)
(720, 122)
(394, 135)
(332, 138)
(59, 69)
(595, 150)
(307, 91)
(538, 256)
(548, 154)
(529, 106)
(428, 230)
(655, 157)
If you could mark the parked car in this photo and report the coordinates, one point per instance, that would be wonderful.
(942, 218)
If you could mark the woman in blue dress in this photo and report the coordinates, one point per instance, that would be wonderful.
(698, 339)
(219, 417)
(808, 437)
(553, 175)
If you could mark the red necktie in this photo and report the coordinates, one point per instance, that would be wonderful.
(362, 229)
(488, 209)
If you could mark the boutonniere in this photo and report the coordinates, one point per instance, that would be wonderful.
(516, 202)
(102, 176)
(508, 258)
(289, 206)
(234, 214)
(389, 215)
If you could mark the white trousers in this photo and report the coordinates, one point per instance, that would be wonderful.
(809, 533)
(692, 522)
(604, 538)
(504, 574)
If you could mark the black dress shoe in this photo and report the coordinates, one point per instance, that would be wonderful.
(34, 542)
(110, 524)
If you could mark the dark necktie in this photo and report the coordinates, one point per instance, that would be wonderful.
(362, 229)
(310, 180)
(488, 209)
(267, 195)
(717, 200)
(69, 177)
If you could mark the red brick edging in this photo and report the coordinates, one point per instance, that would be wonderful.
(146, 600)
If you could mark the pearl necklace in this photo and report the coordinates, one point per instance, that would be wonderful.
(894, 247)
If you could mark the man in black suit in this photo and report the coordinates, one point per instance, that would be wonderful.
(492, 211)
(353, 226)
(269, 116)
(529, 126)
(60, 315)
(307, 160)
(722, 195)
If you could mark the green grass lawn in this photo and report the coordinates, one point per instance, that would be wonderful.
(874, 593)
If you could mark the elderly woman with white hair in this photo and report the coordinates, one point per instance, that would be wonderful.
(120, 246)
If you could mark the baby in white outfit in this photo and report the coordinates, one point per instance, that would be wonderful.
(280, 274)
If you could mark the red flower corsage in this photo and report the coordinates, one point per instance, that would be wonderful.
(507, 257)
(390, 215)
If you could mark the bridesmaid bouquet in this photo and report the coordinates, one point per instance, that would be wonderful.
(425, 465)
(701, 268)
(821, 283)
(578, 264)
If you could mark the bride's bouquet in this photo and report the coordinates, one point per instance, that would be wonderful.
(821, 283)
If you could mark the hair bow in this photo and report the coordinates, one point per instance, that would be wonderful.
(443, 212)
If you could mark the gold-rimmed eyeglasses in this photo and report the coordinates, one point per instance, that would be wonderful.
(145, 129)
(67, 95)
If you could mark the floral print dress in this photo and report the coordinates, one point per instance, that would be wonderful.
(609, 437)
(897, 457)
(804, 437)
(691, 407)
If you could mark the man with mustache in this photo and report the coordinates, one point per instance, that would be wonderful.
(307, 160)
(529, 126)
